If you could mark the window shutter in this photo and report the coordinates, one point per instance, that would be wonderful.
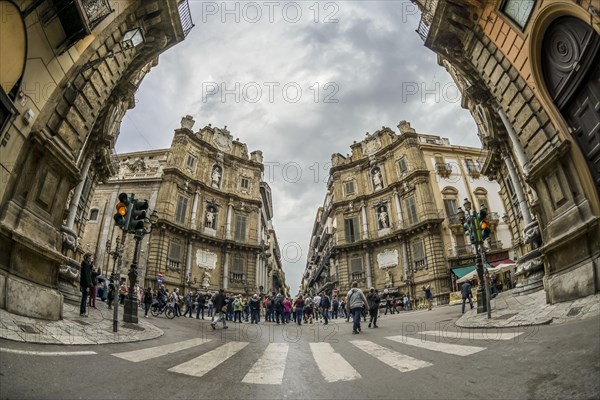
(356, 265)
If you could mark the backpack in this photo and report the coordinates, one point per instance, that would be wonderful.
(147, 297)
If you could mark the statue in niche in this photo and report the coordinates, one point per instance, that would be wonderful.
(211, 217)
(377, 178)
(389, 281)
(215, 177)
(205, 280)
(382, 216)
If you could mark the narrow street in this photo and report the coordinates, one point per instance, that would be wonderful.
(411, 355)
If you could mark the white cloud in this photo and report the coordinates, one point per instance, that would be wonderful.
(371, 58)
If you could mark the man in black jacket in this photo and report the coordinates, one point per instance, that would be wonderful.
(220, 307)
(85, 282)
(373, 301)
(200, 301)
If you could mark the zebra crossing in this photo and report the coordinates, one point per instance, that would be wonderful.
(269, 368)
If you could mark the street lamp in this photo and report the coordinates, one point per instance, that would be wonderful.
(131, 303)
(132, 38)
(474, 223)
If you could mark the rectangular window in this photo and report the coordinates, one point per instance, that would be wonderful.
(418, 250)
(402, 165)
(181, 210)
(245, 183)
(351, 230)
(450, 206)
(237, 269)
(349, 188)
(174, 258)
(411, 210)
(518, 11)
(356, 265)
(191, 162)
(240, 227)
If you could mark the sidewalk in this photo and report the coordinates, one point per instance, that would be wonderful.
(97, 328)
(530, 309)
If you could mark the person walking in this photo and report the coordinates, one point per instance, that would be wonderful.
(237, 309)
(209, 311)
(254, 305)
(287, 310)
(356, 301)
(220, 307)
(334, 307)
(94, 287)
(428, 296)
(189, 304)
(200, 301)
(147, 301)
(325, 304)
(299, 307)
(85, 282)
(373, 301)
(175, 299)
(466, 293)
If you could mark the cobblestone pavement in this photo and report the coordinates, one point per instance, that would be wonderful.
(97, 328)
(509, 310)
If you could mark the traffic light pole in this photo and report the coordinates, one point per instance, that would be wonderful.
(117, 274)
(482, 297)
(130, 312)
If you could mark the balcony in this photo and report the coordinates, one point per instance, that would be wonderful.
(493, 245)
(443, 169)
(236, 277)
(461, 251)
(420, 264)
(78, 18)
(357, 276)
(185, 16)
(426, 18)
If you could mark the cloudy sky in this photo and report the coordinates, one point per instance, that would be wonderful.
(299, 81)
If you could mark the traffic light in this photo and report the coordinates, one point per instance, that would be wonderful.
(137, 215)
(121, 215)
(485, 230)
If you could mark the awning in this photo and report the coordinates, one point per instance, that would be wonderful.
(505, 261)
(467, 273)
(462, 271)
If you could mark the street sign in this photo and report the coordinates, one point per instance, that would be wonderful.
(159, 279)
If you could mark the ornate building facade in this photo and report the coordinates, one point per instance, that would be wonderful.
(529, 72)
(388, 219)
(215, 214)
(69, 72)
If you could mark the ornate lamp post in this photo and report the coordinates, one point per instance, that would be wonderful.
(475, 226)
(131, 303)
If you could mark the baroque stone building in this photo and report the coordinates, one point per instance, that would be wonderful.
(529, 73)
(389, 216)
(215, 214)
(69, 72)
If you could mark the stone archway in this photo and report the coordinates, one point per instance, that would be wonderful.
(571, 71)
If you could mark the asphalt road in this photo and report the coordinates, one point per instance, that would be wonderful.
(396, 361)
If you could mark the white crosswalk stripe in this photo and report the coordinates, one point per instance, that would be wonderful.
(159, 351)
(399, 361)
(209, 361)
(332, 365)
(269, 368)
(489, 335)
(456, 349)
